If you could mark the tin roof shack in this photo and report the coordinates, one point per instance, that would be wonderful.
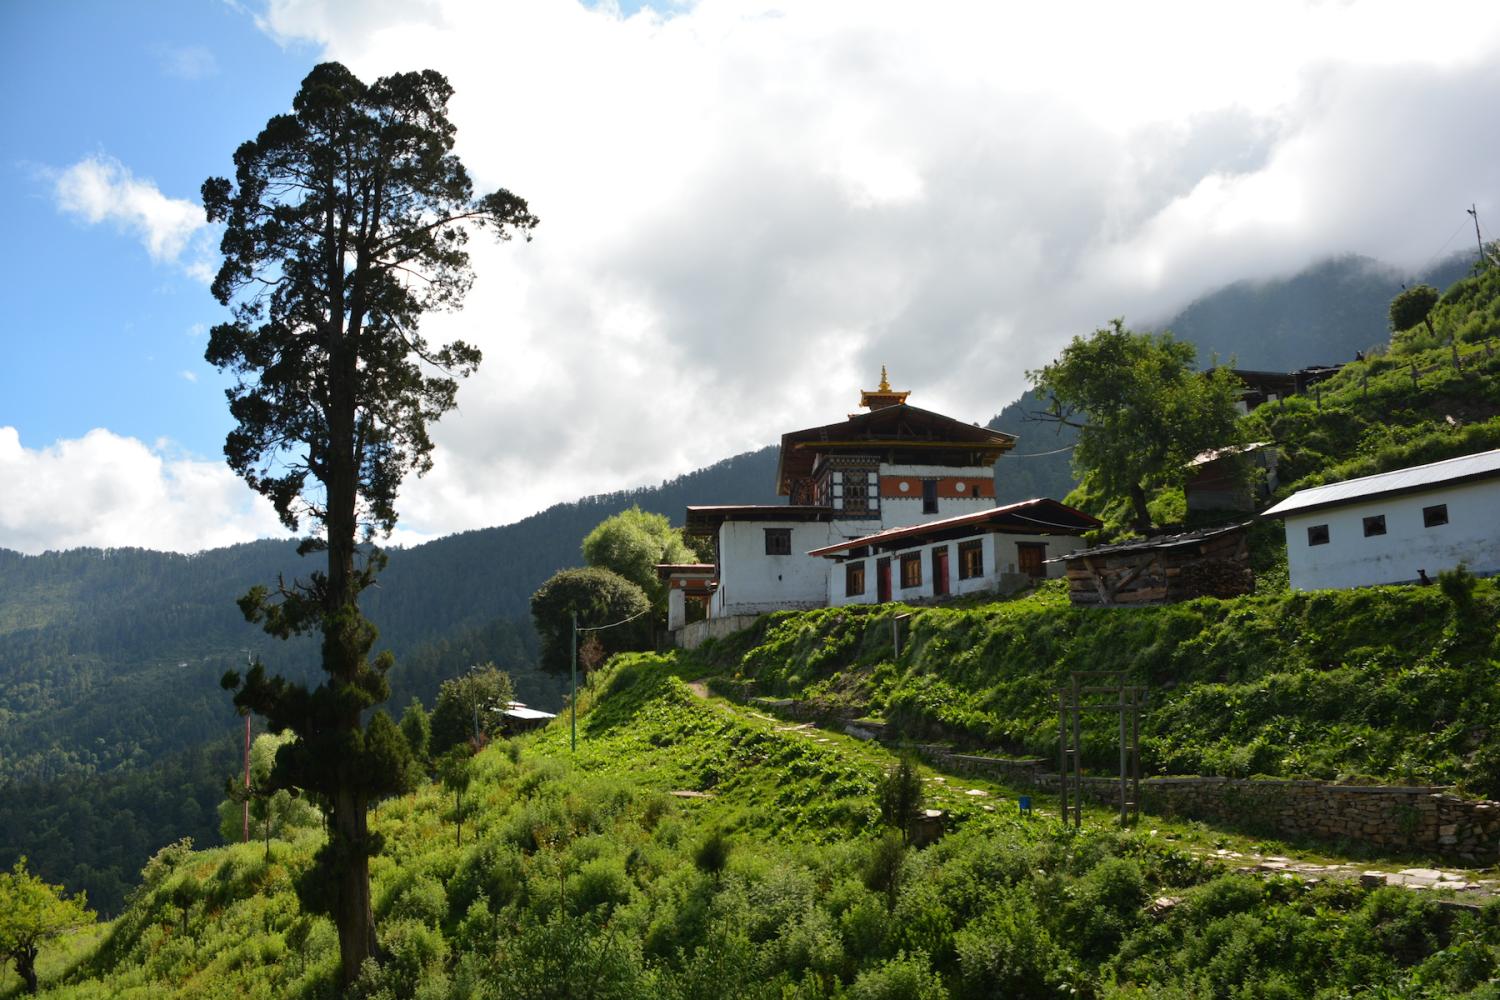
(1213, 562)
(1238, 477)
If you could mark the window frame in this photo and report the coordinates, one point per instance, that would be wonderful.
(1318, 534)
(1374, 525)
(1431, 514)
(929, 496)
(971, 551)
(854, 571)
(911, 570)
(776, 538)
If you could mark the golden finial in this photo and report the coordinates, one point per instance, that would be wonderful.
(885, 383)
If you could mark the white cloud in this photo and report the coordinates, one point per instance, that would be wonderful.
(111, 491)
(189, 375)
(748, 207)
(102, 189)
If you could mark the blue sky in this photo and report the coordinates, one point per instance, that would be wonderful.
(97, 333)
(747, 208)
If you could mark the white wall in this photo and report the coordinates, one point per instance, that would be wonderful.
(999, 561)
(752, 582)
(904, 509)
(1349, 559)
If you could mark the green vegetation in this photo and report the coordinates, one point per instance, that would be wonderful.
(1142, 412)
(631, 543)
(1385, 683)
(595, 598)
(32, 912)
(470, 709)
(586, 876)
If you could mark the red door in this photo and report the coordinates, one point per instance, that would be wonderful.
(940, 571)
(883, 579)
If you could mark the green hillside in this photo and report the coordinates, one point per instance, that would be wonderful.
(765, 875)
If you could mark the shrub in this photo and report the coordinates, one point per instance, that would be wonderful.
(902, 978)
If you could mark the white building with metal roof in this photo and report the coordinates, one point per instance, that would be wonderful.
(1395, 527)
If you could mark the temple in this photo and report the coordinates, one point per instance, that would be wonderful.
(892, 486)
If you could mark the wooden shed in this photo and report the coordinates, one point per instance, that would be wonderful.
(1213, 562)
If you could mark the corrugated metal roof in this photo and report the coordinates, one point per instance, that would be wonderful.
(1081, 522)
(1418, 477)
(1157, 542)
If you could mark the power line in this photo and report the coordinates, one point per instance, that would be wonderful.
(622, 621)
(1040, 454)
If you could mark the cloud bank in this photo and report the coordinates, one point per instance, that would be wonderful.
(110, 491)
(748, 207)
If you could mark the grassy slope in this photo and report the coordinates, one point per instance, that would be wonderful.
(577, 878)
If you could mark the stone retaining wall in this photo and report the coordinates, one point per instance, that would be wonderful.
(1425, 819)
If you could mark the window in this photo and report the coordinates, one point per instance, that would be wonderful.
(1317, 534)
(1435, 516)
(778, 541)
(970, 559)
(1375, 525)
(856, 493)
(854, 579)
(929, 496)
(911, 570)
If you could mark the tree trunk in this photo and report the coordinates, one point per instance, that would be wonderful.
(26, 966)
(353, 912)
(1138, 506)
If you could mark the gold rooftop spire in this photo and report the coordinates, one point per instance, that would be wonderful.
(877, 399)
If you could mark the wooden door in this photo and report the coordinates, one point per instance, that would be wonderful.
(883, 579)
(1029, 556)
(940, 571)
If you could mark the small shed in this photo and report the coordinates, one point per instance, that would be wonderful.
(1213, 562)
(521, 719)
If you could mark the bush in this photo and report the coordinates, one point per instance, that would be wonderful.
(902, 978)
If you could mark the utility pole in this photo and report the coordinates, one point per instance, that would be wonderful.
(245, 806)
(1473, 210)
(573, 701)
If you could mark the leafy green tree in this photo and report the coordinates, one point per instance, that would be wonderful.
(470, 708)
(1413, 306)
(416, 726)
(631, 543)
(599, 597)
(346, 222)
(31, 911)
(274, 812)
(1141, 410)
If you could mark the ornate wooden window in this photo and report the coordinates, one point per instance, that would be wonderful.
(970, 559)
(854, 579)
(911, 570)
(778, 541)
(929, 496)
(856, 493)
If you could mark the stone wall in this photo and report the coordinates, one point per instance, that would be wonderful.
(1425, 819)
(694, 635)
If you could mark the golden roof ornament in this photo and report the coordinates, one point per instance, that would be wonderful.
(877, 399)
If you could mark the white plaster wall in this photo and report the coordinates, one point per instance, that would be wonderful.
(751, 582)
(995, 567)
(904, 510)
(1471, 536)
(676, 609)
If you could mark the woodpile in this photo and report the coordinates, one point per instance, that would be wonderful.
(1210, 563)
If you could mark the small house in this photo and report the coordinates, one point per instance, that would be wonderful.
(1213, 562)
(1000, 549)
(1395, 527)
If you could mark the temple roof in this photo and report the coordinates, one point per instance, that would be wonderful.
(898, 427)
(1040, 516)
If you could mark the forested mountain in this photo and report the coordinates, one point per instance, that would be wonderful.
(1322, 315)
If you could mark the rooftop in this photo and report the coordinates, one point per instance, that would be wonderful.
(1038, 516)
(1482, 465)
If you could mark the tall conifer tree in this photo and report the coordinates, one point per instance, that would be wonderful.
(346, 222)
